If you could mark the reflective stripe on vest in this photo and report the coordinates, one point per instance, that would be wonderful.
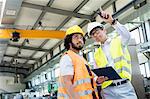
(82, 81)
(121, 58)
(81, 93)
(124, 68)
(118, 59)
(78, 82)
(86, 92)
(65, 96)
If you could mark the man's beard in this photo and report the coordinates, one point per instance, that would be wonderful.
(77, 48)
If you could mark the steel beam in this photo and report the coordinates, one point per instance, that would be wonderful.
(66, 20)
(69, 17)
(29, 48)
(125, 8)
(83, 23)
(42, 14)
(19, 57)
(10, 66)
(39, 48)
(36, 24)
(9, 69)
(107, 4)
(18, 65)
(56, 10)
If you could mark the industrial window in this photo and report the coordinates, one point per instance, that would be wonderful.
(91, 56)
(33, 81)
(44, 60)
(46, 76)
(91, 59)
(29, 84)
(45, 90)
(141, 34)
(57, 72)
(35, 66)
(48, 56)
(135, 35)
(147, 26)
(53, 74)
(48, 72)
(145, 69)
(56, 51)
(37, 81)
(42, 78)
(62, 46)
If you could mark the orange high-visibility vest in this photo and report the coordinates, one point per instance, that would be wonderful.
(81, 79)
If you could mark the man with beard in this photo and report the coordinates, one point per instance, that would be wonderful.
(76, 79)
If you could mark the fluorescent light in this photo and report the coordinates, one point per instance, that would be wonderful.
(10, 12)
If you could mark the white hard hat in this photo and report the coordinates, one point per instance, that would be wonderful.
(93, 25)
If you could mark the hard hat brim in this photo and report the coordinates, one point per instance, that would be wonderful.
(101, 27)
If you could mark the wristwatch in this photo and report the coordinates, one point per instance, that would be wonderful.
(113, 22)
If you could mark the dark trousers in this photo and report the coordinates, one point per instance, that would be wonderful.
(99, 92)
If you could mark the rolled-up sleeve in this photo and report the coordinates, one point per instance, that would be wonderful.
(123, 32)
(66, 66)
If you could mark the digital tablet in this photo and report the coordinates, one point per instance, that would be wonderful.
(107, 72)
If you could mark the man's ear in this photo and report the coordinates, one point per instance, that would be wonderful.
(70, 44)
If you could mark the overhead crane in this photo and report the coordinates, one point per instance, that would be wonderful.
(45, 34)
